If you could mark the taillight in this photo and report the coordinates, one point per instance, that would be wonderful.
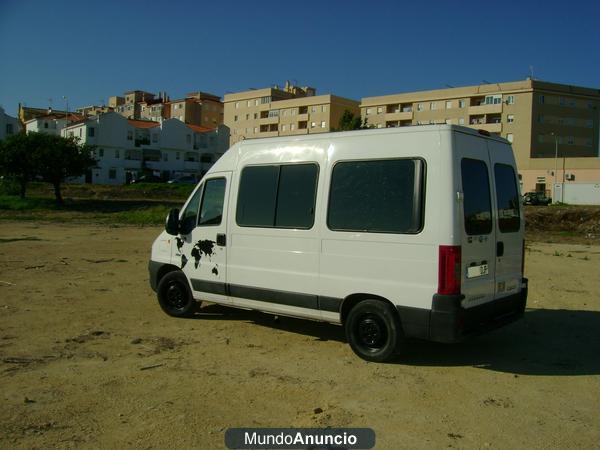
(523, 259)
(449, 271)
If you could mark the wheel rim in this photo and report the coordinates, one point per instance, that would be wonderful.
(371, 332)
(176, 296)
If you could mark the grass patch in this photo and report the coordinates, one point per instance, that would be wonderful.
(110, 212)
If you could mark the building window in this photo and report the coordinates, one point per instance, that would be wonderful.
(255, 130)
(91, 131)
(493, 99)
(266, 99)
(283, 127)
(510, 118)
(80, 132)
(292, 127)
(249, 103)
(247, 116)
(129, 135)
(112, 174)
(509, 137)
(324, 108)
(433, 106)
(419, 106)
(235, 118)
(323, 124)
(542, 99)
(461, 121)
(510, 100)
(449, 104)
(45, 124)
(379, 109)
(461, 103)
(380, 196)
(313, 124)
(117, 155)
(369, 111)
(313, 109)
(448, 121)
(237, 105)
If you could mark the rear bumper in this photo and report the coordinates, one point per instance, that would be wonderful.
(448, 321)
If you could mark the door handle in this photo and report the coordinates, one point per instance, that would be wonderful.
(221, 239)
(499, 248)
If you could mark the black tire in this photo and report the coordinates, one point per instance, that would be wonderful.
(373, 330)
(175, 296)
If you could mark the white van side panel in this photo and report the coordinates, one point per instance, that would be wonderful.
(399, 267)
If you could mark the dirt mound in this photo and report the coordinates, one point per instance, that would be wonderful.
(575, 219)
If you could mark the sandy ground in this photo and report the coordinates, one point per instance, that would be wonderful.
(87, 359)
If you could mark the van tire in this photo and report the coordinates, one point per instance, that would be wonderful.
(373, 330)
(175, 296)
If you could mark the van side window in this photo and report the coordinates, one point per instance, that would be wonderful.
(507, 197)
(211, 210)
(380, 196)
(189, 216)
(477, 202)
(277, 196)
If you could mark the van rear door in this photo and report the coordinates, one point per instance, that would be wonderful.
(478, 243)
(508, 221)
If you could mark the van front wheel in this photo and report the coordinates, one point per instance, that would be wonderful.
(175, 296)
(373, 330)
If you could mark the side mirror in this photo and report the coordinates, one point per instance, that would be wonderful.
(172, 223)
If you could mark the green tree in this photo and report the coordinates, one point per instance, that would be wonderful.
(17, 158)
(349, 121)
(60, 158)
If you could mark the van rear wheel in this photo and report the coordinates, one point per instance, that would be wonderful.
(175, 296)
(373, 330)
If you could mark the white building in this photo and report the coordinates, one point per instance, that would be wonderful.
(8, 125)
(126, 148)
(52, 123)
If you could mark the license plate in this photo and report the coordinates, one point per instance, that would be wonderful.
(477, 271)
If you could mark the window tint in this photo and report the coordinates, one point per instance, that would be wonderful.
(376, 196)
(211, 211)
(188, 219)
(477, 203)
(507, 197)
(296, 196)
(277, 196)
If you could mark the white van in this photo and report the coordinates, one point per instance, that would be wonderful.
(400, 233)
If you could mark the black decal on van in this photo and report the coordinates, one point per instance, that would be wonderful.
(205, 247)
(215, 270)
(179, 243)
(184, 261)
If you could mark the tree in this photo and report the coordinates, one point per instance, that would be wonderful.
(60, 158)
(17, 158)
(349, 121)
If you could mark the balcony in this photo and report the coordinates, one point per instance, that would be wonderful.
(301, 117)
(395, 116)
(491, 127)
(268, 120)
(486, 109)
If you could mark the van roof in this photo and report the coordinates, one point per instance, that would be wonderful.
(238, 147)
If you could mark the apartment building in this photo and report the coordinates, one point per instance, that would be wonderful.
(197, 108)
(290, 111)
(125, 148)
(51, 123)
(93, 110)
(131, 105)
(8, 125)
(539, 118)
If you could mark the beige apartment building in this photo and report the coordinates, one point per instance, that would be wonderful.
(197, 108)
(289, 111)
(538, 117)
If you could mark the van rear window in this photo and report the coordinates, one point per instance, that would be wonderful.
(380, 196)
(477, 203)
(507, 197)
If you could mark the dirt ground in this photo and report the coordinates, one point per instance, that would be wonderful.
(87, 359)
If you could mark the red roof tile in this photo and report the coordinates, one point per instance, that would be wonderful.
(142, 123)
(199, 129)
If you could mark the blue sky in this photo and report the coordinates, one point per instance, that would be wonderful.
(89, 51)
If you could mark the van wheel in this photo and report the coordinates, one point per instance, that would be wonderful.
(175, 296)
(373, 330)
